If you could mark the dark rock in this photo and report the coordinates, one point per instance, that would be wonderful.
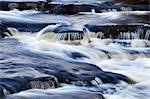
(72, 8)
(31, 68)
(23, 5)
(20, 83)
(133, 1)
(77, 55)
(119, 25)
(75, 8)
(113, 31)
(25, 24)
(4, 32)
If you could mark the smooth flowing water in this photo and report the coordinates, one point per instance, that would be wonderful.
(127, 54)
(131, 60)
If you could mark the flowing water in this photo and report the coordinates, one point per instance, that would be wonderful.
(127, 54)
(118, 59)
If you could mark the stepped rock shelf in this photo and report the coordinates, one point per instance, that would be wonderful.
(73, 7)
(122, 25)
(47, 70)
(74, 49)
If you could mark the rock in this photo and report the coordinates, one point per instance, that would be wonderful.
(133, 1)
(76, 55)
(134, 5)
(123, 25)
(119, 31)
(23, 69)
(76, 7)
(4, 32)
(72, 8)
(23, 4)
(25, 24)
(19, 83)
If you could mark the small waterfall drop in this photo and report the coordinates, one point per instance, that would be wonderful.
(42, 84)
(129, 35)
(147, 35)
(13, 31)
(93, 11)
(47, 29)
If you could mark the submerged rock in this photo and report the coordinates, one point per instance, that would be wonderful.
(60, 93)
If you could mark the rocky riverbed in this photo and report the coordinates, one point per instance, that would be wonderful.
(74, 49)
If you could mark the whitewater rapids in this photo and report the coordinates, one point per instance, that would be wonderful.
(127, 57)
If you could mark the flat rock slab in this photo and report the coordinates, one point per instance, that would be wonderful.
(115, 24)
(75, 6)
(119, 31)
(34, 23)
(23, 24)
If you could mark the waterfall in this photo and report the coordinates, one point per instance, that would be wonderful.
(42, 84)
(70, 37)
(4, 92)
(121, 35)
(93, 11)
(47, 29)
(147, 35)
(13, 31)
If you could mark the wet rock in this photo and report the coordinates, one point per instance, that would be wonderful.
(134, 5)
(25, 25)
(22, 5)
(120, 25)
(76, 7)
(77, 55)
(133, 1)
(19, 83)
(4, 32)
(23, 69)
(72, 8)
(120, 31)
